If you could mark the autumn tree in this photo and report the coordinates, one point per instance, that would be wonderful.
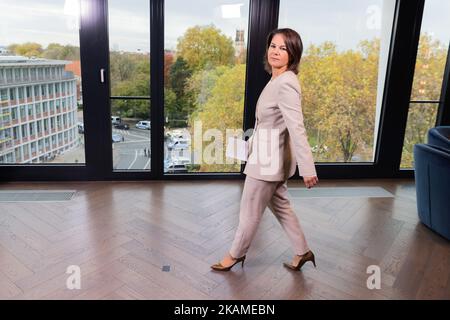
(53, 51)
(223, 110)
(201, 84)
(205, 47)
(428, 76)
(28, 49)
(339, 98)
(201, 48)
(168, 62)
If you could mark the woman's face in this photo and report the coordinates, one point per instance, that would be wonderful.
(277, 54)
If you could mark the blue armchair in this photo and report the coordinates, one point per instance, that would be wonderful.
(432, 174)
(440, 137)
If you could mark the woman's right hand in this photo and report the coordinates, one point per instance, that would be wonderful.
(310, 181)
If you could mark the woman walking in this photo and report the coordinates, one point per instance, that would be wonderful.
(279, 142)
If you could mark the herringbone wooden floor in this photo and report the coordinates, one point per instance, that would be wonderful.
(121, 234)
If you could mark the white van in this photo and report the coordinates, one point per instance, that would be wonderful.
(115, 120)
(182, 160)
(144, 124)
(178, 144)
(174, 167)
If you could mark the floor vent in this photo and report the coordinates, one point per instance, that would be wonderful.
(340, 192)
(36, 195)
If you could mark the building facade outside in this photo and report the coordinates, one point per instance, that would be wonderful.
(38, 110)
(75, 68)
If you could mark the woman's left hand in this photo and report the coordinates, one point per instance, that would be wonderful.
(310, 181)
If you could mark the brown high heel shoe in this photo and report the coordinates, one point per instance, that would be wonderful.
(219, 267)
(309, 256)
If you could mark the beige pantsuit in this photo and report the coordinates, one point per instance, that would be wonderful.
(278, 140)
(258, 195)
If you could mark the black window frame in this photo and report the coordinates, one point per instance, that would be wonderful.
(94, 55)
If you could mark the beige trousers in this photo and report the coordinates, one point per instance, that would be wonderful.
(256, 196)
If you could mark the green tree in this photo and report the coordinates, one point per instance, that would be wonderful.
(132, 108)
(122, 67)
(60, 52)
(179, 74)
(175, 113)
(178, 78)
(130, 76)
(205, 47)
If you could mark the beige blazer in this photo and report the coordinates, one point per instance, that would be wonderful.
(279, 141)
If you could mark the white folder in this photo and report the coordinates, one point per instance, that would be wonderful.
(237, 148)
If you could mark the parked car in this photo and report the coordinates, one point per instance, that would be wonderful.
(121, 125)
(182, 160)
(179, 134)
(116, 137)
(144, 124)
(80, 126)
(174, 167)
(115, 119)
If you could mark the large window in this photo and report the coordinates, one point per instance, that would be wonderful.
(37, 35)
(342, 73)
(205, 52)
(428, 76)
(202, 81)
(129, 41)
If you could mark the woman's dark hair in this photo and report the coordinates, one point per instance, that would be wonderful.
(294, 46)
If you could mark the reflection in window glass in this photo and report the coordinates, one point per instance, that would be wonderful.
(428, 76)
(129, 42)
(44, 35)
(205, 52)
(346, 45)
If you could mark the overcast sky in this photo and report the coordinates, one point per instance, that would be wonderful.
(345, 22)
